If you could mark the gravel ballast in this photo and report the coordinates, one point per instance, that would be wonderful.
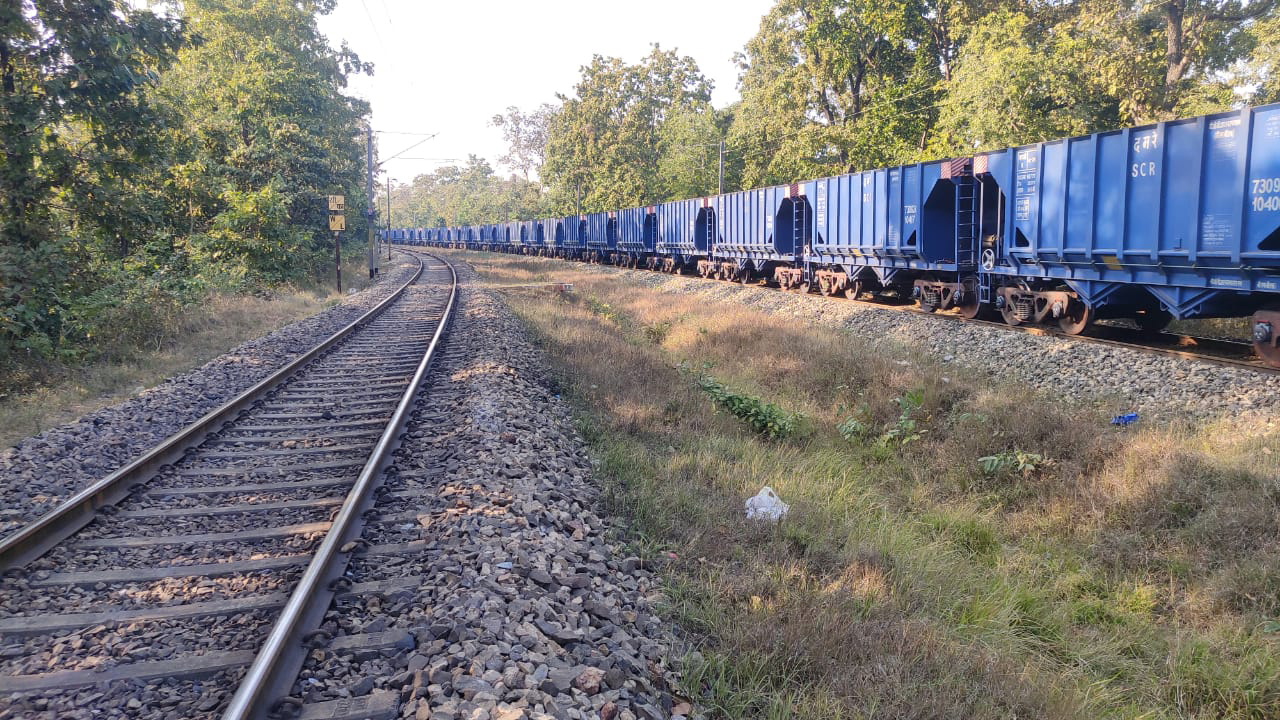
(523, 605)
(1117, 379)
(47, 468)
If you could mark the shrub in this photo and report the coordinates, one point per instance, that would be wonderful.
(1012, 461)
(765, 418)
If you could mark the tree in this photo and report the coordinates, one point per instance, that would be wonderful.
(470, 194)
(604, 141)
(1013, 84)
(688, 153)
(526, 136)
(269, 134)
(836, 85)
(72, 76)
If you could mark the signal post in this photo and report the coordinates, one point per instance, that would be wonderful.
(337, 223)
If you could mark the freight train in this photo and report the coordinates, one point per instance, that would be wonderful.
(1177, 219)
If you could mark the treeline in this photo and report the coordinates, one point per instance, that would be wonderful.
(834, 86)
(149, 156)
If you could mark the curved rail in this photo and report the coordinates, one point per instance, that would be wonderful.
(37, 537)
(277, 664)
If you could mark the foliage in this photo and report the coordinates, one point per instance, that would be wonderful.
(147, 155)
(604, 145)
(833, 86)
(258, 159)
(765, 418)
(526, 136)
(73, 81)
(903, 431)
(1012, 461)
(468, 195)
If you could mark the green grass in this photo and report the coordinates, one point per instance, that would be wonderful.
(965, 551)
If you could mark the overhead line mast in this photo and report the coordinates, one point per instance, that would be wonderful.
(370, 210)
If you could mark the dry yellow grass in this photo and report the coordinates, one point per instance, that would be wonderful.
(1122, 573)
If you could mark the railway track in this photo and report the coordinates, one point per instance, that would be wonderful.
(200, 569)
(1217, 351)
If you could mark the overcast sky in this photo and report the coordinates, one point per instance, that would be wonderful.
(449, 67)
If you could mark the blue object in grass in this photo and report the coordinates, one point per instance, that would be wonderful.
(1125, 419)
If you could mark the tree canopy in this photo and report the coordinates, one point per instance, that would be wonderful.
(150, 155)
(834, 86)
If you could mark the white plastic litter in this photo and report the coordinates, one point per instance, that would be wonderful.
(766, 505)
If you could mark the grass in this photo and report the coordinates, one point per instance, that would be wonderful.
(54, 395)
(954, 549)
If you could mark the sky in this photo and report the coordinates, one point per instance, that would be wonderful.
(449, 67)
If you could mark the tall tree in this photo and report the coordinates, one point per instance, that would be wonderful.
(604, 142)
(836, 85)
(269, 133)
(72, 74)
(526, 136)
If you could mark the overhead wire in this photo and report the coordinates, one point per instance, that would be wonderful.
(372, 24)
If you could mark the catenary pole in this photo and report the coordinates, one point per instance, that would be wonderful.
(371, 212)
(720, 180)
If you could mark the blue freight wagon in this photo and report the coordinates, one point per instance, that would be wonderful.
(547, 228)
(763, 234)
(637, 236)
(529, 242)
(571, 237)
(686, 231)
(602, 236)
(907, 229)
(511, 236)
(1176, 219)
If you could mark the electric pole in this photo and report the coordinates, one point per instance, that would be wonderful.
(720, 181)
(370, 211)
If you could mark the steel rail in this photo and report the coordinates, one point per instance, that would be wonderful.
(1244, 364)
(276, 665)
(38, 536)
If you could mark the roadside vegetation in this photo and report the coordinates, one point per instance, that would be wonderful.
(158, 154)
(176, 341)
(953, 549)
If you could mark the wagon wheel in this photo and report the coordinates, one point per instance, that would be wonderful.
(1153, 321)
(972, 303)
(1076, 318)
(853, 289)
(827, 286)
(1010, 315)
(744, 277)
(1266, 334)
